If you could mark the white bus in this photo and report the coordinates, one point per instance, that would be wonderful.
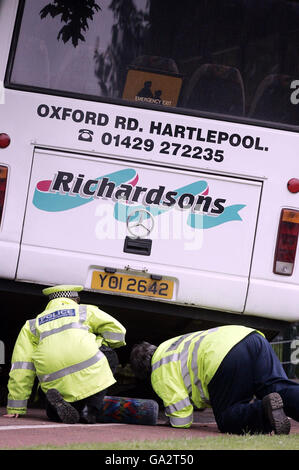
(149, 152)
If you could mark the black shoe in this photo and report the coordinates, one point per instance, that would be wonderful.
(66, 412)
(273, 407)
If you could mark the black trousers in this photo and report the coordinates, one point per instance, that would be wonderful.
(94, 402)
(250, 371)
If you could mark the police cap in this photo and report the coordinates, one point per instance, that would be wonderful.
(56, 292)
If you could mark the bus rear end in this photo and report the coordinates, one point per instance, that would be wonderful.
(150, 154)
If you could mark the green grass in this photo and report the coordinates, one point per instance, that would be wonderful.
(223, 442)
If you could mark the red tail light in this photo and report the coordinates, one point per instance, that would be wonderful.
(286, 244)
(4, 140)
(3, 180)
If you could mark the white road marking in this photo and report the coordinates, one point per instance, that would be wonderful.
(58, 425)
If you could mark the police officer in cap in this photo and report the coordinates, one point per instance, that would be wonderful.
(66, 348)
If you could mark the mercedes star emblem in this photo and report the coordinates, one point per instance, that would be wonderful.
(140, 223)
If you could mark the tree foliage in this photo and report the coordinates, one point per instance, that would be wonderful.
(127, 41)
(127, 36)
(75, 14)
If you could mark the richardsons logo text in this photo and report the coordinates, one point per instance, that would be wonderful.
(67, 191)
(104, 188)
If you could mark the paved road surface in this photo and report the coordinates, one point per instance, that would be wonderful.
(35, 429)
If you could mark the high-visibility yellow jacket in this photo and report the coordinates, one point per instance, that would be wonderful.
(182, 368)
(61, 347)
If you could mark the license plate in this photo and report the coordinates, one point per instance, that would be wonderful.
(128, 284)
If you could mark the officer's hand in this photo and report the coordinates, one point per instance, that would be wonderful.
(11, 416)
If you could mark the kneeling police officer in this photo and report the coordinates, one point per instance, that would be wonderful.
(66, 347)
(232, 369)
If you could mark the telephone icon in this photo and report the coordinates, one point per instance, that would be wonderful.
(85, 135)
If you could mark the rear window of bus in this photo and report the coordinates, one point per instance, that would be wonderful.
(230, 58)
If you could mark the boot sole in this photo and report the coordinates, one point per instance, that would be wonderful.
(274, 409)
(66, 412)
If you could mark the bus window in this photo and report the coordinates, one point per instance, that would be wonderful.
(236, 58)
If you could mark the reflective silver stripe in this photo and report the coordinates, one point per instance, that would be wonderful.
(178, 341)
(113, 336)
(183, 357)
(184, 362)
(71, 369)
(165, 360)
(68, 326)
(82, 313)
(175, 421)
(194, 365)
(179, 405)
(32, 326)
(184, 366)
(175, 356)
(17, 403)
(22, 365)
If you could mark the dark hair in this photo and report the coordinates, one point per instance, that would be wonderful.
(140, 359)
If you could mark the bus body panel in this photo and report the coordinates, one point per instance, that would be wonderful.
(75, 206)
(281, 300)
(65, 134)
